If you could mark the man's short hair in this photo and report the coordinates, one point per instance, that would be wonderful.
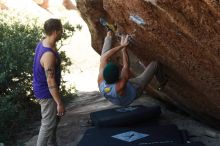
(111, 73)
(52, 25)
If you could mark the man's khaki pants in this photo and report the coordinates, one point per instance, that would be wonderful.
(49, 122)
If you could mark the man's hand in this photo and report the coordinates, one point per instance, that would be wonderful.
(60, 109)
(124, 40)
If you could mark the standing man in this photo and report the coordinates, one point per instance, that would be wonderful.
(46, 82)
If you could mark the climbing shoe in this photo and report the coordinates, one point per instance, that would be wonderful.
(108, 26)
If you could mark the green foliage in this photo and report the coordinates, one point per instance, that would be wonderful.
(18, 38)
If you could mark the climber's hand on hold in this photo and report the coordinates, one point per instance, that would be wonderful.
(125, 40)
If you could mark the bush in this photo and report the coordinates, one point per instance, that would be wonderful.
(17, 42)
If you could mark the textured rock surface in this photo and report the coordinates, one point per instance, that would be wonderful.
(182, 34)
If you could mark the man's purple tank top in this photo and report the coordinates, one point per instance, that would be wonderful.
(40, 85)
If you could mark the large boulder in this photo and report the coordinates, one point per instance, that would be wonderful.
(182, 34)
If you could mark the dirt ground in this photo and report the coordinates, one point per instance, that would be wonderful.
(71, 127)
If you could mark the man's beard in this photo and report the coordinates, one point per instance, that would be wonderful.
(58, 38)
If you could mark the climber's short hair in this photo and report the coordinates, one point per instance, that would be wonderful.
(111, 73)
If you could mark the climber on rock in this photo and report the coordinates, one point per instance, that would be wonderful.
(116, 85)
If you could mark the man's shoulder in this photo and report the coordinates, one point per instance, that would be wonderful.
(48, 54)
(47, 57)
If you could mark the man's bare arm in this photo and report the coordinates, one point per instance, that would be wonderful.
(104, 60)
(125, 68)
(49, 61)
(50, 75)
(126, 65)
(111, 52)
